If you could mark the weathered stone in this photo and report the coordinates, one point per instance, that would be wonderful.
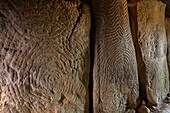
(167, 100)
(140, 63)
(44, 56)
(115, 69)
(153, 44)
(130, 111)
(143, 109)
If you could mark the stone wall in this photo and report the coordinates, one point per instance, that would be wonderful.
(46, 65)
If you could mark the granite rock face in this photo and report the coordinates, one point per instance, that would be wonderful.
(44, 56)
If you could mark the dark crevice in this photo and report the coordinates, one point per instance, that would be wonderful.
(140, 63)
(87, 1)
(92, 46)
(76, 23)
(164, 1)
(167, 10)
(168, 46)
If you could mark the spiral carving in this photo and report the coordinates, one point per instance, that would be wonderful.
(44, 56)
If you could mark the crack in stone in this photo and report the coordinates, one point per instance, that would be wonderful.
(79, 8)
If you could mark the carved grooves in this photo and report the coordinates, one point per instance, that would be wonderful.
(44, 56)
(115, 60)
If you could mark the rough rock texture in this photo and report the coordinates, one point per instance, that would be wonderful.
(132, 6)
(153, 44)
(44, 56)
(115, 69)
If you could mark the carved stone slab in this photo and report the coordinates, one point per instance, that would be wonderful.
(115, 67)
(44, 56)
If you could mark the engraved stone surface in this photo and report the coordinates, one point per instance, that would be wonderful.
(115, 68)
(44, 56)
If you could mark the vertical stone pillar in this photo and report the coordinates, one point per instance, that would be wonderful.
(115, 67)
(153, 44)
